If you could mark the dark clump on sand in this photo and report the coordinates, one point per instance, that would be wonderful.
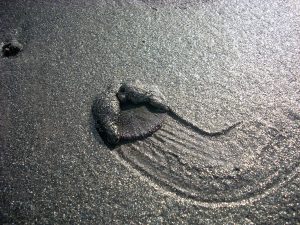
(128, 113)
(11, 48)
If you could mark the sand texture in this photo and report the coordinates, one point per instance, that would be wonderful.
(218, 63)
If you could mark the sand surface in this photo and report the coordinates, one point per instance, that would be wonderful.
(217, 63)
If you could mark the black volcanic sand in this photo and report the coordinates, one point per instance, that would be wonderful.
(216, 62)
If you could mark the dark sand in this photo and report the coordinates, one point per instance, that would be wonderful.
(216, 62)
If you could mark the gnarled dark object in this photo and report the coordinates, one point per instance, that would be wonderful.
(128, 112)
(133, 111)
(11, 48)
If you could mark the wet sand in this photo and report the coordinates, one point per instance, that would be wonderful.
(216, 62)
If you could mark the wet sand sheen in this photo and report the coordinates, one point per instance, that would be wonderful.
(218, 62)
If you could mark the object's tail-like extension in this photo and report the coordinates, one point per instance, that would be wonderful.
(200, 131)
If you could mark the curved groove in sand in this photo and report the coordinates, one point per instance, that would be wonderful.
(154, 159)
(246, 201)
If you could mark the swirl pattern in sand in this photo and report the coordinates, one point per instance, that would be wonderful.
(227, 167)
